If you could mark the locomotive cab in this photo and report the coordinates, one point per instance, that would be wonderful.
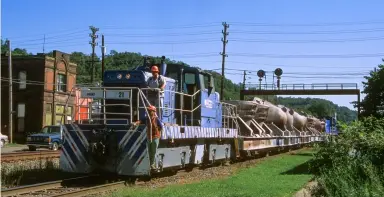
(197, 97)
(136, 78)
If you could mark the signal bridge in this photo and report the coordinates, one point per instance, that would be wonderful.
(303, 89)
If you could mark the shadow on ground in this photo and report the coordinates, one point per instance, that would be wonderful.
(303, 154)
(300, 169)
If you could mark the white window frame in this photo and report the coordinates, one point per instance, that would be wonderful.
(22, 80)
(21, 116)
(60, 83)
(21, 110)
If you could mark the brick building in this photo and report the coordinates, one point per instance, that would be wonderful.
(37, 99)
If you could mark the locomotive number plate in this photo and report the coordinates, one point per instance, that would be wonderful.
(117, 94)
(95, 94)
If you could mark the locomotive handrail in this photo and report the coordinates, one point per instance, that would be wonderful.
(179, 93)
(143, 98)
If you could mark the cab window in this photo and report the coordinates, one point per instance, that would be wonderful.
(50, 130)
(173, 75)
(189, 78)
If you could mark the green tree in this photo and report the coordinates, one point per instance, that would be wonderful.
(16, 51)
(4, 47)
(373, 103)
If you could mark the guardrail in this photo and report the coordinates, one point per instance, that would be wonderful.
(314, 86)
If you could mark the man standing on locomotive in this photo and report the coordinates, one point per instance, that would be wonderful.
(156, 81)
(154, 123)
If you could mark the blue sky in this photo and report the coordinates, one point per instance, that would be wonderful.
(190, 31)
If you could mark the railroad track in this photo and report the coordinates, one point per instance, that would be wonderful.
(87, 185)
(80, 186)
(16, 156)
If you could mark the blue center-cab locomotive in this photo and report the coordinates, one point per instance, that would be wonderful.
(191, 112)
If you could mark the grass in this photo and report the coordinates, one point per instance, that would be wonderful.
(278, 176)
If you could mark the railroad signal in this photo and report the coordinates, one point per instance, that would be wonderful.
(261, 73)
(278, 72)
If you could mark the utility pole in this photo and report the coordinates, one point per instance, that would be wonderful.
(93, 44)
(10, 105)
(102, 57)
(245, 74)
(223, 54)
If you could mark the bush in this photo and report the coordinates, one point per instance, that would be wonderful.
(352, 164)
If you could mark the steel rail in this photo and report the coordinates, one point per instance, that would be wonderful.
(28, 155)
(93, 190)
(38, 187)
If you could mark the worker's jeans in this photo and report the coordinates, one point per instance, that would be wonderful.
(152, 150)
(154, 100)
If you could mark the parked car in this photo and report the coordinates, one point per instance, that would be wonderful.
(49, 137)
(3, 140)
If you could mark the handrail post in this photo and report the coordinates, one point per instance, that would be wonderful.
(104, 109)
(90, 110)
(181, 107)
(138, 104)
(130, 107)
(192, 107)
(78, 109)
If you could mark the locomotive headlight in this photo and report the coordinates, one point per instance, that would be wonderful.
(127, 76)
(119, 76)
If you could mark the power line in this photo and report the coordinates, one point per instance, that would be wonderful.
(32, 82)
(55, 42)
(212, 24)
(311, 32)
(162, 27)
(163, 35)
(250, 71)
(279, 65)
(309, 41)
(309, 24)
(308, 76)
(307, 56)
(175, 42)
(202, 41)
(59, 35)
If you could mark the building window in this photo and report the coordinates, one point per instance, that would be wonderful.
(20, 117)
(61, 117)
(61, 83)
(23, 80)
(48, 114)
